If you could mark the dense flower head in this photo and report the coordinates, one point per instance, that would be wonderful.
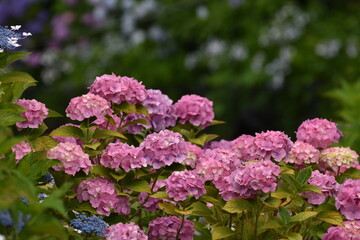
(136, 128)
(303, 153)
(150, 204)
(274, 144)
(121, 155)
(195, 110)
(224, 144)
(21, 150)
(92, 224)
(337, 157)
(101, 194)
(71, 156)
(87, 106)
(254, 178)
(160, 109)
(118, 89)
(163, 148)
(327, 185)
(347, 199)
(9, 38)
(34, 114)
(166, 228)
(320, 133)
(193, 154)
(181, 184)
(349, 231)
(245, 148)
(111, 122)
(125, 231)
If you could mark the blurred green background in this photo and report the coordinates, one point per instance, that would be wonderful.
(266, 65)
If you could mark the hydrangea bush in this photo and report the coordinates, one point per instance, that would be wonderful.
(97, 178)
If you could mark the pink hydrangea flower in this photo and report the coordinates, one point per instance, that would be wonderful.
(151, 204)
(121, 155)
(337, 157)
(245, 148)
(118, 89)
(163, 148)
(101, 194)
(136, 128)
(21, 150)
(274, 144)
(254, 178)
(195, 110)
(327, 185)
(193, 154)
(166, 228)
(347, 199)
(108, 124)
(349, 231)
(125, 231)
(71, 156)
(224, 144)
(320, 133)
(87, 106)
(179, 185)
(303, 153)
(34, 114)
(160, 109)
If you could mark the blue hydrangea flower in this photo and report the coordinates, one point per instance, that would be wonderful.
(9, 38)
(89, 225)
(7, 221)
(49, 178)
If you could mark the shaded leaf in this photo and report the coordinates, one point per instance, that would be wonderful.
(304, 175)
(284, 214)
(12, 77)
(222, 232)
(67, 131)
(104, 133)
(237, 206)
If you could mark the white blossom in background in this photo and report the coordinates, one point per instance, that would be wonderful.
(257, 63)
(238, 52)
(328, 48)
(191, 61)
(202, 12)
(214, 47)
(351, 48)
(157, 34)
(235, 3)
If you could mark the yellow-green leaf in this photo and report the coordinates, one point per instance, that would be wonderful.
(222, 232)
(237, 206)
(303, 216)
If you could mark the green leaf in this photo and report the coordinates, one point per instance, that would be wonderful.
(10, 57)
(18, 89)
(137, 121)
(12, 77)
(54, 201)
(303, 216)
(142, 110)
(53, 113)
(237, 206)
(204, 138)
(100, 171)
(138, 185)
(216, 122)
(160, 195)
(284, 214)
(289, 179)
(304, 175)
(92, 146)
(310, 188)
(332, 217)
(104, 133)
(168, 208)
(118, 175)
(272, 202)
(222, 232)
(68, 131)
(11, 107)
(43, 143)
(294, 236)
(8, 118)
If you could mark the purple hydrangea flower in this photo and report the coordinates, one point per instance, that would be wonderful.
(121, 155)
(195, 110)
(21, 150)
(34, 114)
(166, 228)
(71, 156)
(245, 147)
(193, 154)
(160, 109)
(136, 128)
(179, 185)
(320, 133)
(303, 153)
(338, 157)
(327, 185)
(224, 144)
(125, 231)
(87, 106)
(118, 89)
(347, 199)
(349, 231)
(163, 148)
(101, 194)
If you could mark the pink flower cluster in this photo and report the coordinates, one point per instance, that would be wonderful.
(349, 231)
(273, 144)
(21, 150)
(193, 154)
(253, 178)
(160, 109)
(327, 185)
(121, 155)
(71, 156)
(87, 106)
(166, 228)
(125, 231)
(34, 114)
(320, 133)
(347, 199)
(338, 158)
(163, 148)
(303, 153)
(195, 110)
(101, 194)
(179, 185)
(245, 148)
(135, 128)
(150, 204)
(118, 89)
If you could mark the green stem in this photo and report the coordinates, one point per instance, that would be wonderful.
(181, 225)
